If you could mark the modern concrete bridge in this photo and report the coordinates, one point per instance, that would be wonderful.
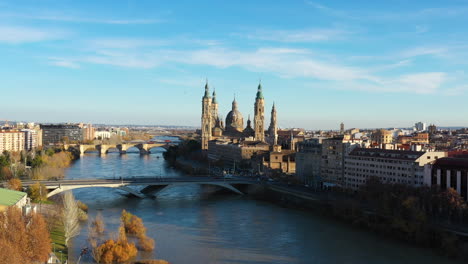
(122, 148)
(152, 185)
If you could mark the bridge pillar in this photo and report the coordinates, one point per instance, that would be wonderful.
(142, 147)
(82, 150)
(122, 148)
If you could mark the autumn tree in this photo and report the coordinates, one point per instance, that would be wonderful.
(38, 192)
(23, 239)
(116, 251)
(15, 184)
(133, 224)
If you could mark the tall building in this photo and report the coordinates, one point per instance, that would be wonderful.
(342, 128)
(31, 139)
(57, 134)
(390, 166)
(88, 132)
(334, 151)
(207, 119)
(308, 162)
(420, 126)
(12, 140)
(259, 118)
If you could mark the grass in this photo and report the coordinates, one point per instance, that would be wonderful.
(57, 235)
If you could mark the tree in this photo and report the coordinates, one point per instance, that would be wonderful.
(120, 250)
(70, 216)
(98, 224)
(38, 192)
(15, 184)
(23, 239)
(5, 173)
(133, 224)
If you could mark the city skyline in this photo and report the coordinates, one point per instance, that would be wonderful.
(365, 64)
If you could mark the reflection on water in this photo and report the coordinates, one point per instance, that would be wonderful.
(191, 224)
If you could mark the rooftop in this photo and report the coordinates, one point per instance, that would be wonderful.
(10, 197)
(452, 162)
(386, 153)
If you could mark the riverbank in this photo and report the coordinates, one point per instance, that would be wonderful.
(338, 206)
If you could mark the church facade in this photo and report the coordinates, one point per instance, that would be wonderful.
(213, 127)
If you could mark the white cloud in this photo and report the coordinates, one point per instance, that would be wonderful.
(16, 34)
(418, 83)
(421, 51)
(64, 63)
(125, 43)
(81, 19)
(307, 35)
(284, 62)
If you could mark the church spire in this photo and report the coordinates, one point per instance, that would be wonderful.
(234, 103)
(259, 91)
(214, 101)
(207, 90)
(259, 115)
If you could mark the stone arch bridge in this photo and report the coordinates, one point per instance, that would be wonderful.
(144, 148)
(150, 186)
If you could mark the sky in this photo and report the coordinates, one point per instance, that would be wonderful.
(365, 63)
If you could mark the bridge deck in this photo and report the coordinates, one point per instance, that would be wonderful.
(136, 181)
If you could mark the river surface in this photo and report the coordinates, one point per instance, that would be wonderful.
(194, 225)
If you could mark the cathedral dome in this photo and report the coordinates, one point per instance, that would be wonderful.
(234, 119)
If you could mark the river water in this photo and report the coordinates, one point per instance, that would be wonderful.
(194, 225)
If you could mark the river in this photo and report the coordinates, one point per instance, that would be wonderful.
(193, 225)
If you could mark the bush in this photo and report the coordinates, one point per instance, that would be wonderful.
(145, 243)
(82, 206)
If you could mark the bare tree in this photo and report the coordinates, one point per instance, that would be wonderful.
(70, 216)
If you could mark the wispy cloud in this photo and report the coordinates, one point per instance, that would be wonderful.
(82, 19)
(417, 83)
(306, 35)
(424, 13)
(64, 63)
(16, 34)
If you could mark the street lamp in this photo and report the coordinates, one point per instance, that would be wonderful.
(61, 260)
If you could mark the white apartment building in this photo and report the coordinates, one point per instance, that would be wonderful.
(12, 140)
(31, 138)
(390, 166)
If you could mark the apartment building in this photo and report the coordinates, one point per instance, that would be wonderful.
(390, 166)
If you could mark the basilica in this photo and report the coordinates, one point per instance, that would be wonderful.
(213, 127)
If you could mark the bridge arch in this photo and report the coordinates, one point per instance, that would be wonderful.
(73, 187)
(174, 185)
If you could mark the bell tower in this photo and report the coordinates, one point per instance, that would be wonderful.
(207, 121)
(259, 118)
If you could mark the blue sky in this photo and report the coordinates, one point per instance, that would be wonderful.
(366, 63)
